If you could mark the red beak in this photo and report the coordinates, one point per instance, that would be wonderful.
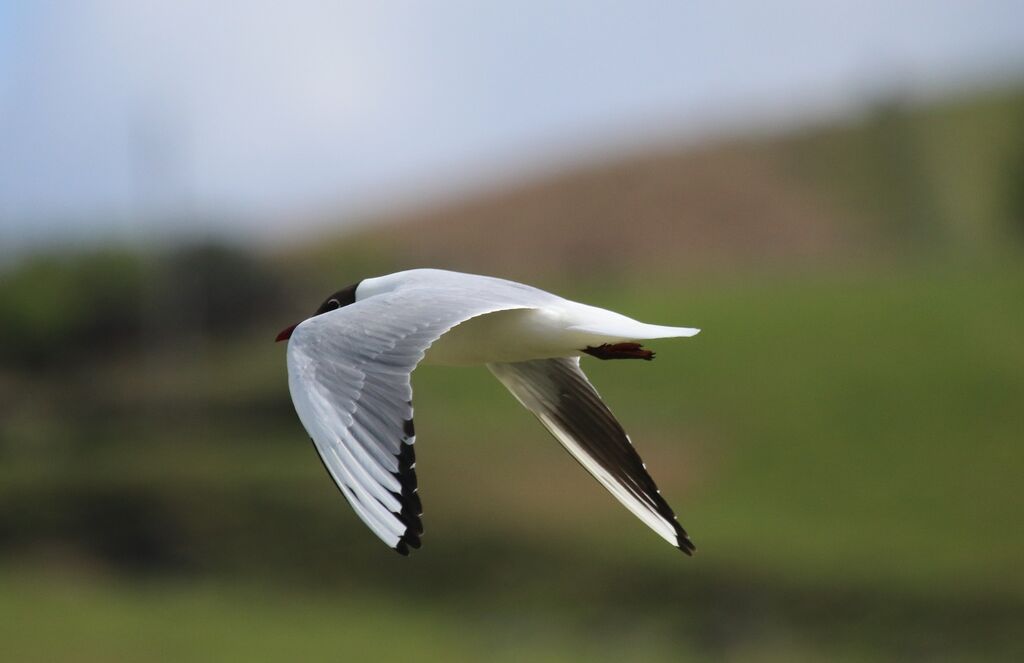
(286, 333)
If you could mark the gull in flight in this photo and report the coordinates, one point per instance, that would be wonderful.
(350, 366)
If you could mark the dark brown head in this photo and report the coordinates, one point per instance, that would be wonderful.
(343, 297)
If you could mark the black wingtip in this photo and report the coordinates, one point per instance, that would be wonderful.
(413, 531)
(413, 522)
(408, 482)
(406, 458)
(411, 539)
(683, 541)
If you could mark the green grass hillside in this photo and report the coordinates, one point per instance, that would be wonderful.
(851, 440)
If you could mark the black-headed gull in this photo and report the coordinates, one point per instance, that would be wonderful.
(350, 366)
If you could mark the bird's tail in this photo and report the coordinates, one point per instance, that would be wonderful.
(632, 330)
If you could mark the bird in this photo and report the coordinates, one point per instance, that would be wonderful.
(349, 376)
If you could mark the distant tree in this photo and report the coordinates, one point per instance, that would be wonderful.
(904, 182)
(1013, 189)
(60, 308)
(214, 288)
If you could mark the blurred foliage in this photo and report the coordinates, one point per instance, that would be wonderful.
(57, 309)
(919, 177)
(913, 216)
(1013, 186)
(218, 289)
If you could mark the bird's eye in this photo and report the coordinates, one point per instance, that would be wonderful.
(333, 304)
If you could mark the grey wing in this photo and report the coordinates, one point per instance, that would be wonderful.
(559, 394)
(349, 373)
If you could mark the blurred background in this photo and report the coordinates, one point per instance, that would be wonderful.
(833, 192)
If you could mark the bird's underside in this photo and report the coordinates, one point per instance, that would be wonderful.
(349, 374)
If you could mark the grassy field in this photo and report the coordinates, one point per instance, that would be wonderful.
(93, 620)
(844, 449)
(88, 618)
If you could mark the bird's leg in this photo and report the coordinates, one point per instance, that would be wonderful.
(619, 351)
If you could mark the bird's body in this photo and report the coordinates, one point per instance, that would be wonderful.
(349, 374)
(558, 327)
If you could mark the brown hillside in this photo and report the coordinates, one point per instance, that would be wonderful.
(894, 180)
(666, 211)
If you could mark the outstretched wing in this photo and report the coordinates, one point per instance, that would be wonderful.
(349, 377)
(559, 394)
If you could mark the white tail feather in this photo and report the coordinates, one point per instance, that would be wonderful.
(634, 331)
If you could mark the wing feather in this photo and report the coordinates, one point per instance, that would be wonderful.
(559, 394)
(349, 373)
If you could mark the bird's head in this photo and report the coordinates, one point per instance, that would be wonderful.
(343, 297)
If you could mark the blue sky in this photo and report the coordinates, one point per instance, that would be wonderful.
(258, 114)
